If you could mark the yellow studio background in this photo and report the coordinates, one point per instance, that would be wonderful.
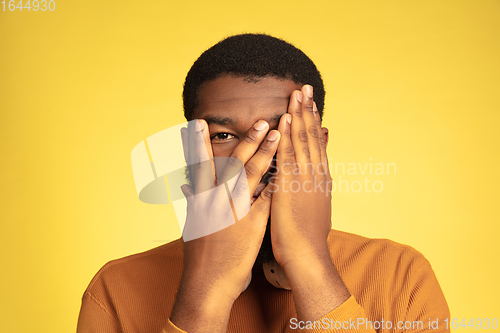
(410, 84)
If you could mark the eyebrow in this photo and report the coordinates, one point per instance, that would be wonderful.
(219, 120)
(210, 119)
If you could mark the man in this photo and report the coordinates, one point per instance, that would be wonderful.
(257, 97)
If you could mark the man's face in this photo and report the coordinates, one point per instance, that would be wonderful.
(232, 105)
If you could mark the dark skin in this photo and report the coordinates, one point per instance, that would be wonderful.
(290, 128)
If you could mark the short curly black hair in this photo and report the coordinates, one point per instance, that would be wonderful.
(252, 56)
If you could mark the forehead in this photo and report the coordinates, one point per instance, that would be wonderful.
(237, 99)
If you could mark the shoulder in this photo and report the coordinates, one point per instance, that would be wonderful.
(347, 247)
(164, 261)
(134, 291)
(388, 279)
(381, 271)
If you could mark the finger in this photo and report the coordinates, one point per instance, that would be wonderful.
(285, 157)
(188, 193)
(311, 125)
(261, 209)
(185, 144)
(200, 156)
(245, 150)
(258, 165)
(298, 132)
(323, 167)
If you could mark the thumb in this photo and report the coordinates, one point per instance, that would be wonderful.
(188, 193)
(261, 208)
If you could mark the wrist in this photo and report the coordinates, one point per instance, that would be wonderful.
(307, 267)
(316, 286)
(224, 284)
(319, 254)
(201, 306)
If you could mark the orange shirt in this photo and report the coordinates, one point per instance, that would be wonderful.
(393, 289)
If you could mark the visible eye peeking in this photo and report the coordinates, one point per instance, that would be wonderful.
(221, 137)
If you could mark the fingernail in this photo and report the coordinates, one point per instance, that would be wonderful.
(315, 108)
(288, 118)
(200, 125)
(272, 136)
(309, 90)
(299, 97)
(260, 125)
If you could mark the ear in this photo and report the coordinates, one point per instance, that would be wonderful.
(325, 135)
